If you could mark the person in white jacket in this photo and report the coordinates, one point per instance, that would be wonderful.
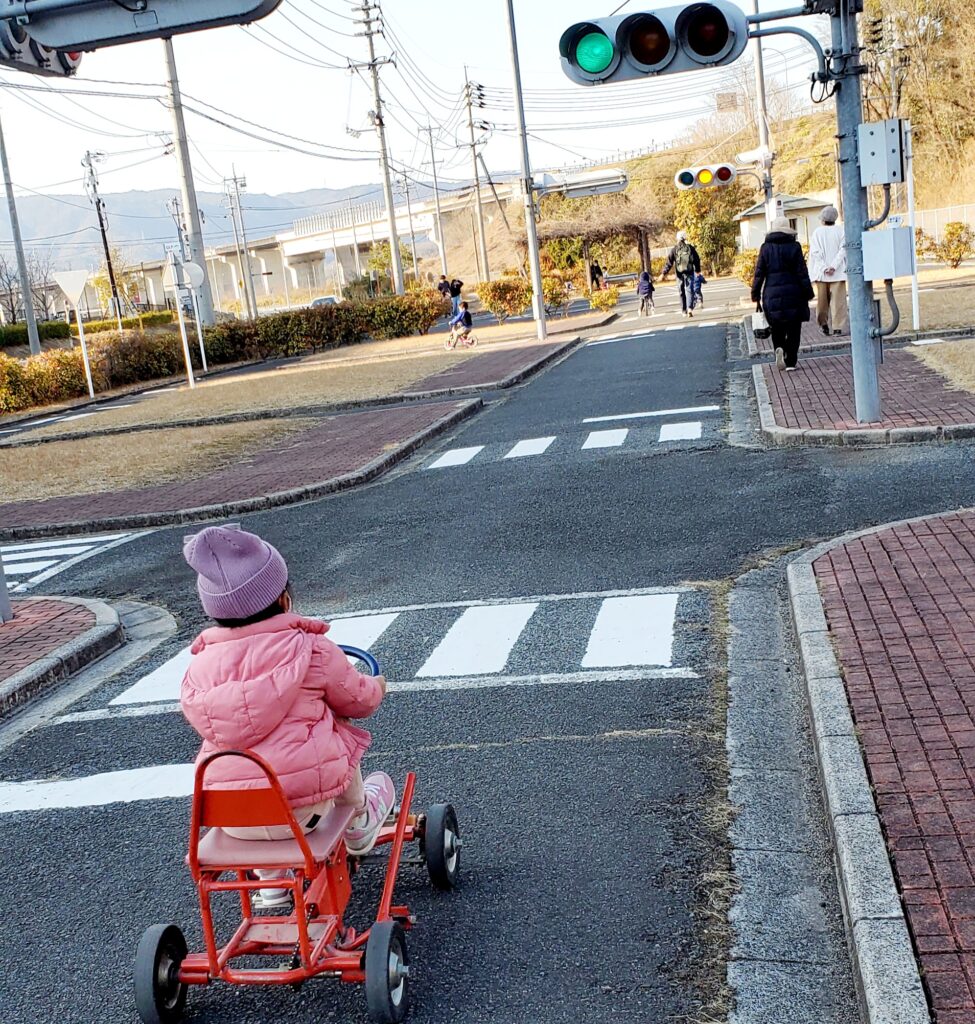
(827, 268)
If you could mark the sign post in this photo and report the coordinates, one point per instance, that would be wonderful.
(73, 284)
(174, 280)
(193, 278)
(6, 612)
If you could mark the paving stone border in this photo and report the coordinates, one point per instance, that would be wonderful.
(887, 975)
(849, 438)
(261, 503)
(321, 411)
(104, 636)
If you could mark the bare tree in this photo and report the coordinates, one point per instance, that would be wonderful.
(9, 290)
(40, 266)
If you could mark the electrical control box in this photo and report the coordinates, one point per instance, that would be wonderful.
(888, 254)
(881, 149)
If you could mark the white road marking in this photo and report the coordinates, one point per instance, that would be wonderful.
(76, 416)
(64, 554)
(26, 568)
(605, 439)
(163, 683)
(456, 457)
(45, 544)
(675, 327)
(533, 446)
(480, 641)
(633, 631)
(680, 431)
(159, 782)
(930, 341)
(360, 631)
(10, 556)
(622, 337)
(690, 410)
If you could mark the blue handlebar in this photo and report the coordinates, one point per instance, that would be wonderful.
(363, 656)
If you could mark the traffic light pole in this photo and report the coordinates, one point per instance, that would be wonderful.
(527, 183)
(25, 288)
(764, 141)
(849, 116)
(441, 241)
(194, 233)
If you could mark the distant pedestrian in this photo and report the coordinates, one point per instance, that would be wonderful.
(782, 289)
(827, 267)
(444, 286)
(645, 289)
(455, 287)
(684, 260)
(596, 275)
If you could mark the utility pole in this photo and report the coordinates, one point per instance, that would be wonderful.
(335, 254)
(194, 232)
(233, 186)
(849, 115)
(469, 95)
(441, 241)
(409, 214)
(25, 288)
(373, 66)
(761, 104)
(527, 184)
(91, 184)
(355, 241)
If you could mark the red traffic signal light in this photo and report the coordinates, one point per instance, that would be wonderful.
(712, 176)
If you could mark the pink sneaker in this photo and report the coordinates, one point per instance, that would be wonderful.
(361, 835)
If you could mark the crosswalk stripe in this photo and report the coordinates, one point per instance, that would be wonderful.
(633, 631)
(456, 457)
(653, 414)
(480, 641)
(605, 439)
(50, 544)
(155, 783)
(534, 446)
(26, 568)
(360, 631)
(163, 683)
(23, 556)
(680, 431)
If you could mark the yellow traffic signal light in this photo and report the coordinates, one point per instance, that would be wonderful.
(712, 176)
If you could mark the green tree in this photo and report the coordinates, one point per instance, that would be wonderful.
(708, 217)
(381, 257)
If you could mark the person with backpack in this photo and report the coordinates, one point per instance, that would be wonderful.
(684, 260)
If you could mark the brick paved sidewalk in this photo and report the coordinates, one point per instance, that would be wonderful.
(901, 610)
(819, 395)
(339, 445)
(812, 338)
(39, 628)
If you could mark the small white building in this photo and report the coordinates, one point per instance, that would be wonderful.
(802, 211)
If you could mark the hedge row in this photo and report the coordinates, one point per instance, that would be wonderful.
(58, 375)
(16, 334)
(130, 323)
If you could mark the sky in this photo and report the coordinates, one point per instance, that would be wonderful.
(299, 115)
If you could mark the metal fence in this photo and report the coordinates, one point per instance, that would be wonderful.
(932, 222)
(336, 220)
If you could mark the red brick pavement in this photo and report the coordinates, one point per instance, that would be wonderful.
(37, 629)
(901, 609)
(489, 368)
(812, 337)
(819, 395)
(338, 445)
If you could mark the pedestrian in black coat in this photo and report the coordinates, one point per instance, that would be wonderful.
(782, 290)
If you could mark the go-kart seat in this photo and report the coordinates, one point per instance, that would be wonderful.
(219, 850)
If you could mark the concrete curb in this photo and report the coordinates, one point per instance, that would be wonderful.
(321, 411)
(105, 636)
(257, 504)
(855, 438)
(887, 975)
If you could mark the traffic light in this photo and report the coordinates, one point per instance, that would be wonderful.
(627, 47)
(94, 23)
(18, 50)
(714, 176)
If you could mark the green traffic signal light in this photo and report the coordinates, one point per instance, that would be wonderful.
(685, 178)
(595, 52)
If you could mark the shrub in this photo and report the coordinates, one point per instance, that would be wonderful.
(402, 315)
(128, 323)
(605, 299)
(957, 244)
(745, 263)
(508, 296)
(556, 295)
(924, 244)
(16, 334)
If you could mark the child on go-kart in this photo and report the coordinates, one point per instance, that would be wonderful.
(266, 679)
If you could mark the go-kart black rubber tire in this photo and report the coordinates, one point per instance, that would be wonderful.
(388, 1002)
(159, 996)
(443, 863)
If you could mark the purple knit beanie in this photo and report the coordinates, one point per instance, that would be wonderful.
(238, 574)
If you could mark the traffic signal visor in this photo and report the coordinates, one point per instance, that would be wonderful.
(714, 176)
(666, 41)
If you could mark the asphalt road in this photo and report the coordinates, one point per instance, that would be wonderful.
(589, 795)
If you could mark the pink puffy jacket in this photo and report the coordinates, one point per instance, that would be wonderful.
(283, 690)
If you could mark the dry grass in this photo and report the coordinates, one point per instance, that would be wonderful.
(94, 464)
(954, 360)
(288, 387)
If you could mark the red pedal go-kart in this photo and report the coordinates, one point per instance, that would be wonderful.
(312, 940)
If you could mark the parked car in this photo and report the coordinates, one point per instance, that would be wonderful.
(324, 300)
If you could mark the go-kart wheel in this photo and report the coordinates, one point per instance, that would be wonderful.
(159, 994)
(387, 973)
(441, 846)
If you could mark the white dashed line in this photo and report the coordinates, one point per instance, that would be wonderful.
(605, 439)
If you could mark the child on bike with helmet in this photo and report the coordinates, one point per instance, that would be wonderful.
(266, 679)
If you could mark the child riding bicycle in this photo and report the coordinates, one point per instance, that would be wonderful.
(461, 324)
